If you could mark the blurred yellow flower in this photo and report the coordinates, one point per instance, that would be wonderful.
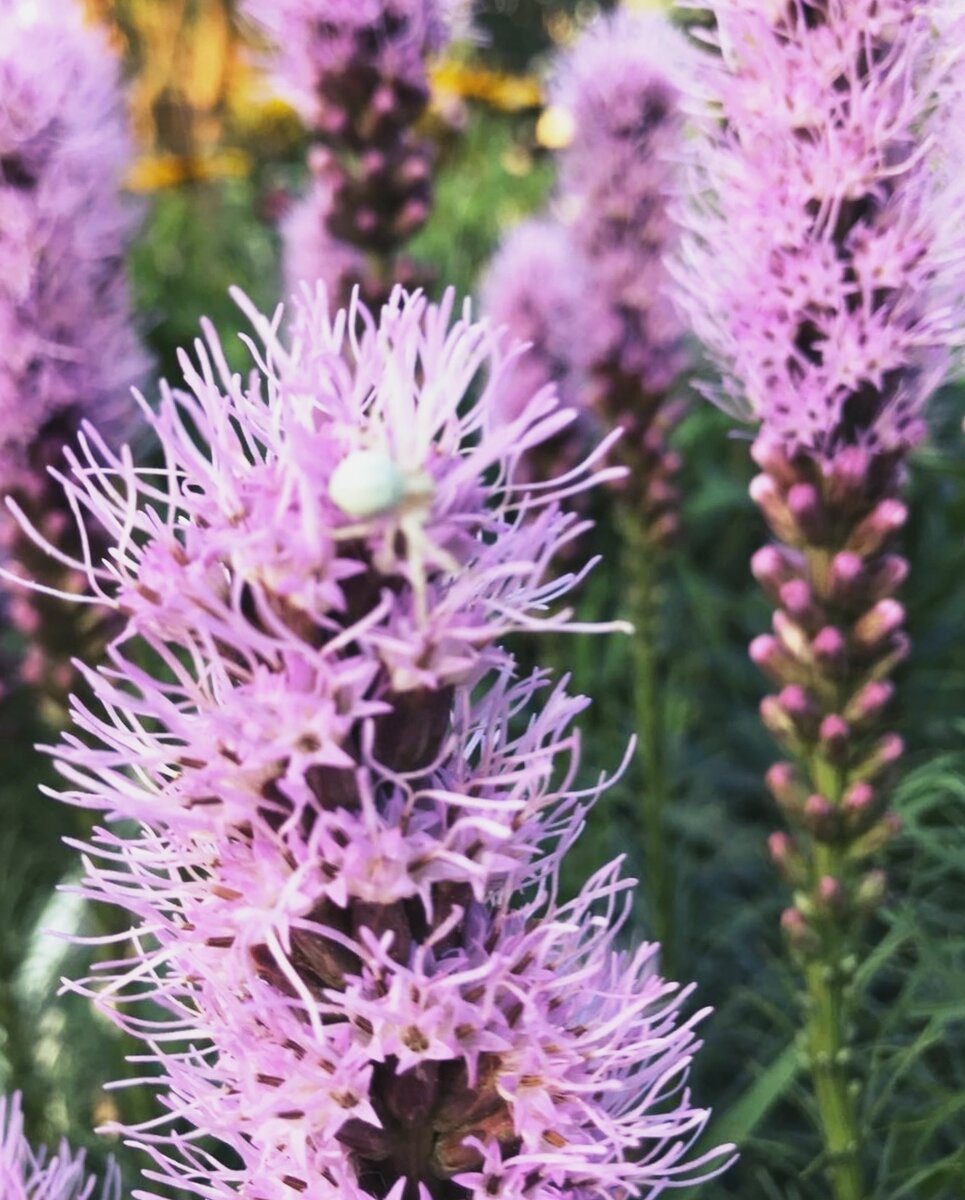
(452, 79)
(153, 172)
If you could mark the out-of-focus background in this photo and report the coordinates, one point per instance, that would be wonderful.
(220, 159)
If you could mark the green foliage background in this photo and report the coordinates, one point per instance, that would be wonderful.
(202, 237)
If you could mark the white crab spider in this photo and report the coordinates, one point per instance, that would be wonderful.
(369, 483)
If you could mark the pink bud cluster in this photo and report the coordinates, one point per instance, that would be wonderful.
(26, 1174)
(619, 339)
(70, 350)
(358, 73)
(335, 812)
(837, 636)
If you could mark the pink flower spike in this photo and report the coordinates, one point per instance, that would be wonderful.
(334, 812)
(823, 260)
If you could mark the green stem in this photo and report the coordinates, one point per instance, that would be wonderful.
(830, 997)
(644, 562)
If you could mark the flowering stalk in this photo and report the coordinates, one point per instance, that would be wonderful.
(69, 347)
(358, 73)
(343, 812)
(619, 87)
(819, 271)
(26, 1174)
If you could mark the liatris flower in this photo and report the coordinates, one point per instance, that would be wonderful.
(341, 812)
(69, 347)
(822, 269)
(26, 1174)
(535, 289)
(358, 73)
(620, 88)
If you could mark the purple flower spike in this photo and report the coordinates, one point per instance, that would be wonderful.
(823, 268)
(358, 73)
(26, 1174)
(620, 86)
(383, 44)
(70, 350)
(342, 813)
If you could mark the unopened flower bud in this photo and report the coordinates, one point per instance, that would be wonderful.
(661, 492)
(414, 170)
(333, 121)
(372, 163)
(859, 807)
(806, 507)
(802, 710)
(770, 454)
(383, 100)
(883, 521)
(792, 636)
(847, 577)
(830, 895)
(886, 752)
(771, 569)
(796, 596)
(876, 838)
(871, 891)
(366, 221)
(411, 218)
(777, 721)
(767, 653)
(835, 735)
(867, 705)
(884, 619)
(886, 575)
(766, 495)
(847, 477)
(899, 648)
(802, 939)
(785, 786)
(786, 857)
(830, 649)
(820, 818)
(321, 161)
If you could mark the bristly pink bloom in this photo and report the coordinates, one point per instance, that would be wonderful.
(69, 346)
(26, 1174)
(620, 86)
(825, 265)
(824, 268)
(342, 812)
